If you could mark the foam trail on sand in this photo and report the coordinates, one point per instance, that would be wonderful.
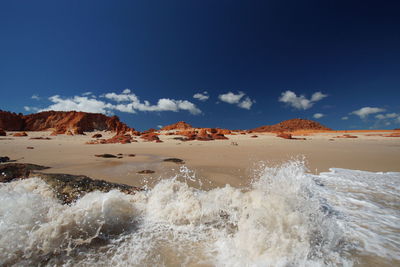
(285, 218)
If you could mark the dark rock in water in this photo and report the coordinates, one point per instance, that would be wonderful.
(131, 155)
(12, 171)
(30, 147)
(4, 159)
(40, 138)
(146, 172)
(97, 136)
(69, 188)
(176, 160)
(105, 156)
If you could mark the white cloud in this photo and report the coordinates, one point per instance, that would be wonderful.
(36, 97)
(246, 103)
(239, 99)
(159, 126)
(345, 118)
(387, 116)
(126, 102)
(364, 112)
(318, 115)
(300, 102)
(202, 96)
(78, 103)
(231, 98)
(87, 93)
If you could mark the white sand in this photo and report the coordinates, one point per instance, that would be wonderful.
(215, 162)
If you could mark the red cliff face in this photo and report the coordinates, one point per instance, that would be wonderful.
(181, 125)
(61, 122)
(11, 121)
(292, 125)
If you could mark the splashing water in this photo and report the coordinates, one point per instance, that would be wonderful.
(285, 218)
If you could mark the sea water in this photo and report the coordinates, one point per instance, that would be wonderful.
(287, 217)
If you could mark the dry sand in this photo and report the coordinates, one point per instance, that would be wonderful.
(215, 163)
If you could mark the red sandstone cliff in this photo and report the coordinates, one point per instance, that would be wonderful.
(292, 125)
(181, 125)
(10, 121)
(61, 122)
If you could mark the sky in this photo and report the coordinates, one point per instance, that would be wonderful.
(229, 64)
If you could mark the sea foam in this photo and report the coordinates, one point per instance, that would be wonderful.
(287, 217)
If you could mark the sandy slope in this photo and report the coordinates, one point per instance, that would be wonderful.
(215, 162)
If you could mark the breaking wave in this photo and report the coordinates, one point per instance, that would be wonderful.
(287, 217)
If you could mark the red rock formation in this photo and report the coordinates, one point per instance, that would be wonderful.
(2, 132)
(292, 125)
(284, 136)
(20, 134)
(219, 136)
(392, 135)
(288, 136)
(136, 133)
(346, 136)
(11, 121)
(181, 125)
(116, 139)
(78, 131)
(69, 132)
(203, 135)
(149, 137)
(61, 122)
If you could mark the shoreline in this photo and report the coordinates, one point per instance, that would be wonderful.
(215, 163)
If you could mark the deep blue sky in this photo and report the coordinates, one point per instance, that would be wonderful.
(347, 50)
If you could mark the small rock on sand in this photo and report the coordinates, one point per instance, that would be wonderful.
(105, 156)
(4, 159)
(176, 160)
(146, 172)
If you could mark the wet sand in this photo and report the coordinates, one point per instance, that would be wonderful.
(215, 163)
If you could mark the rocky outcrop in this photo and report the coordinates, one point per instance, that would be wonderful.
(150, 137)
(10, 121)
(120, 138)
(181, 125)
(346, 136)
(292, 125)
(22, 134)
(2, 132)
(61, 122)
(288, 136)
(204, 134)
(11, 171)
(68, 188)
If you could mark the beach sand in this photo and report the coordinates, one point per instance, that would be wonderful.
(214, 163)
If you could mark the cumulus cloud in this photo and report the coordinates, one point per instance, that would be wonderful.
(387, 116)
(78, 103)
(300, 102)
(36, 97)
(125, 102)
(364, 112)
(345, 118)
(202, 96)
(240, 99)
(318, 115)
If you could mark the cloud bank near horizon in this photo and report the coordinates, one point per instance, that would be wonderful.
(126, 101)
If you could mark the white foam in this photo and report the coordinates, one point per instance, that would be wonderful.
(286, 218)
